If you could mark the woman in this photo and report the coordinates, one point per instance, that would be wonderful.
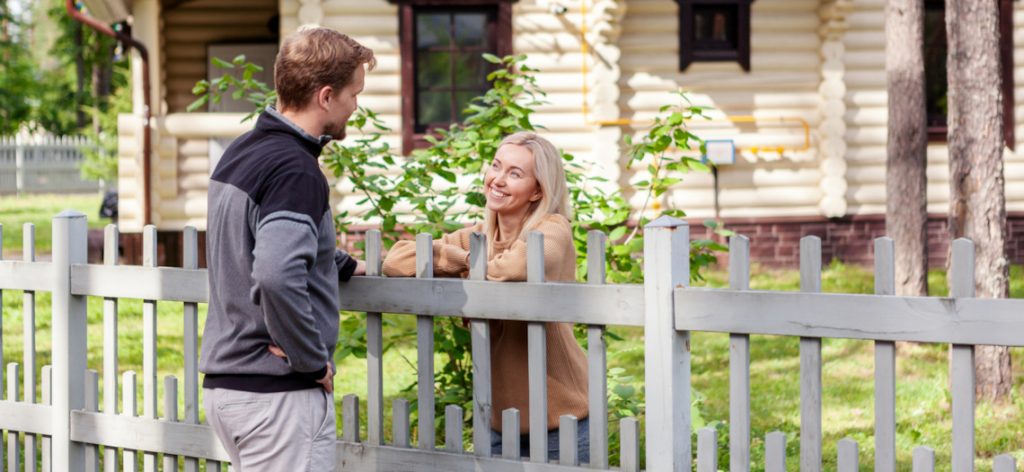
(526, 191)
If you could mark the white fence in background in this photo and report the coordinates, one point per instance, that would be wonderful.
(43, 165)
(69, 431)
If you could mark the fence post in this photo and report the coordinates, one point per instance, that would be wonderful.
(667, 354)
(69, 340)
(19, 166)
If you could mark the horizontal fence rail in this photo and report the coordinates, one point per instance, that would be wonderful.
(59, 418)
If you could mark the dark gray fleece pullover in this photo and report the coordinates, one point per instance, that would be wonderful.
(273, 263)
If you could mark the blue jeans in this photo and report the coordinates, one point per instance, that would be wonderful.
(582, 443)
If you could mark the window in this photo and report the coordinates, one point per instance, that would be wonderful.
(442, 65)
(714, 30)
(935, 78)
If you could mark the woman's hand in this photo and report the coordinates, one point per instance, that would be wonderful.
(360, 267)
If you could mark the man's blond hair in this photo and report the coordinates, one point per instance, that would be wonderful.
(314, 57)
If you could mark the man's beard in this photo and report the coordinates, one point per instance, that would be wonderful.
(336, 133)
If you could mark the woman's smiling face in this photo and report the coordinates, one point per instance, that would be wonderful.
(510, 184)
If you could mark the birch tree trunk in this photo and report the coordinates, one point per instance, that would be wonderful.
(905, 180)
(977, 200)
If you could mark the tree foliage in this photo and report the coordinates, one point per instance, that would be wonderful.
(438, 189)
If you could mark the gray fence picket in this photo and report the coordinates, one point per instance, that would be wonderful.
(453, 428)
(810, 363)
(848, 460)
(962, 368)
(924, 459)
(45, 462)
(129, 407)
(510, 445)
(374, 350)
(149, 348)
(1, 355)
(13, 463)
(597, 359)
(775, 452)
(666, 352)
(111, 256)
(739, 363)
(885, 364)
(629, 445)
(425, 350)
(568, 449)
(190, 260)
(69, 323)
(28, 244)
(170, 415)
(707, 450)
(1004, 463)
(400, 422)
(92, 403)
(480, 344)
(350, 418)
(537, 357)
(1, 336)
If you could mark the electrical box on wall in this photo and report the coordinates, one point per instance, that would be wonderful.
(720, 151)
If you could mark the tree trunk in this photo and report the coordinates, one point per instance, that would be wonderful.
(977, 200)
(905, 181)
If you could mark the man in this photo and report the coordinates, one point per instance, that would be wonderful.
(272, 324)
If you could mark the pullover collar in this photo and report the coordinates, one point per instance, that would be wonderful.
(272, 120)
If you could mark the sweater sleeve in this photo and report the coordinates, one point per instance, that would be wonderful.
(451, 254)
(283, 255)
(510, 265)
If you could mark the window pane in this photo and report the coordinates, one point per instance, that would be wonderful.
(715, 24)
(470, 70)
(434, 108)
(462, 100)
(433, 30)
(433, 69)
(935, 63)
(470, 29)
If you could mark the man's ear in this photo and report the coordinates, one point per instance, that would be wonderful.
(324, 96)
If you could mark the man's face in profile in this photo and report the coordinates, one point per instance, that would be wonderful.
(344, 104)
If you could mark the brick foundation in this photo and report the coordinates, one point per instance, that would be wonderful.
(774, 242)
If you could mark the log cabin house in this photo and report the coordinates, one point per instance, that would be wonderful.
(798, 86)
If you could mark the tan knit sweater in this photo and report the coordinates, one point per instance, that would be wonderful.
(566, 362)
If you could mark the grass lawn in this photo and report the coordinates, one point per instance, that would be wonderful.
(15, 211)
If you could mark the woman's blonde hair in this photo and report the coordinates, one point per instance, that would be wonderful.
(550, 173)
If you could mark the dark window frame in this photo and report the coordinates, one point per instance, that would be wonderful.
(690, 51)
(940, 134)
(501, 34)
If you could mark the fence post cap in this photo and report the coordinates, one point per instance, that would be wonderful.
(666, 221)
(69, 214)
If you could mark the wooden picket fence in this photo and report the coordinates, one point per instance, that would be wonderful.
(69, 431)
(47, 164)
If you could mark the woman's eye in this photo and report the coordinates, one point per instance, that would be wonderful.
(494, 165)
(517, 175)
